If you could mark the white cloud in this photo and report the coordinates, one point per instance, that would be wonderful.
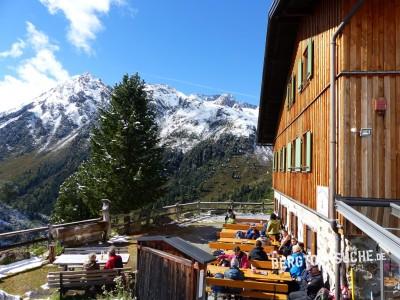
(83, 17)
(34, 75)
(15, 50)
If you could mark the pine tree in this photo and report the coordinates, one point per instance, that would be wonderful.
(125, 165)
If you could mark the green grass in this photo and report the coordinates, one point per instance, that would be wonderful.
(27, 281)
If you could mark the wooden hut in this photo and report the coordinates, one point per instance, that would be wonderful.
(170, 268)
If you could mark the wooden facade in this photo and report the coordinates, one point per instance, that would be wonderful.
(169, 268)
(367, 166)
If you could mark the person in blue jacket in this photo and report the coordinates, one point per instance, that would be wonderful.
(296, 262)
(252, 233)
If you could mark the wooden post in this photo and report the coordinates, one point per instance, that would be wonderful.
(231, 206)
(50, 234)
(52, 252)
(127, 223)
(262, 206)
(178, 211)
(106, 216)
(198, 207)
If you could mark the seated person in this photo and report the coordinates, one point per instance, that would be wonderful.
(258, 252)
(272, 228)
(303, 249)
(230, 217)
(114, 260)
(285, 247)
(296, 263)
(234, 273)
(293, 242)
(311, 283)
(252, 233)
(239, 255)
(92, 263)
(264, 241)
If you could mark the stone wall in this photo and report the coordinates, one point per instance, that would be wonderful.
(325, 235)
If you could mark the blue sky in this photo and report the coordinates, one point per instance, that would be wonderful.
(207, 46)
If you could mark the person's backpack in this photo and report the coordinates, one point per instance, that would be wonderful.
(240, 235)
(323, 294)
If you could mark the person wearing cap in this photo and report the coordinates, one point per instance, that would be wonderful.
(234, 272)
(92, 263)
(114, 260)
(296, 262)
(258, 252)
(252, 233)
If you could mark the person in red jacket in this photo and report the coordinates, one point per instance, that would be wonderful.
(114, 260)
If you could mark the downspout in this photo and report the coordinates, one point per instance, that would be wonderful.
(332, 146)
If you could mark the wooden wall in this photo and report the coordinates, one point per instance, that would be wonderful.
(370, 166)
(311, 108)
(162, 275)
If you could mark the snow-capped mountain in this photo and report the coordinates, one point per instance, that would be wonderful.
(64, 112)
(186, 120)
(54, 118)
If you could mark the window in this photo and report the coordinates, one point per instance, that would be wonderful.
(274, 162)
(306, 152)
(310, 59)
(291, 92)
(305, 66)
(284, 215)
(289, 157)
(297, 154)
(310, 240)
(283, 160)
(293, 225)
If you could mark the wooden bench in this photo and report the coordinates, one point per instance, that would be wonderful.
(250, 221)
(231, 246)
(253, 289)
(241, 226)
(97, 250)
(265, 265)
(82, 279)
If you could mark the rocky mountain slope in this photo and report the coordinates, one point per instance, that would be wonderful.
(43, 142)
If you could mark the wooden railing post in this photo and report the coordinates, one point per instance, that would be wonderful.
(106, 216)
(262, 206)
(198, 207)
(178, 211)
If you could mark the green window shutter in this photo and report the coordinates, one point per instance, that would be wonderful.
(297, 158)
(299, 75)
(278, 161)
(288, 95)
(310, 58)
(289, 157)
(308, 151)
(283, 159)
(293, 88)
(273, 162)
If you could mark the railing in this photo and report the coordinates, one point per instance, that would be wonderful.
(126, 223)
(35, 235)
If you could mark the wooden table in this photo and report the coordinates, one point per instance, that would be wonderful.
(248, 274)
(78, 260)
(245, 241)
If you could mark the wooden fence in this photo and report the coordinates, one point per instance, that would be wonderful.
(134, 220)
(85, 231)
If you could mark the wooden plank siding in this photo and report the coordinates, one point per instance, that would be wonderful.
(310, 111)
(367, 166)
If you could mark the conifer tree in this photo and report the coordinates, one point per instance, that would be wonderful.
(125, 165)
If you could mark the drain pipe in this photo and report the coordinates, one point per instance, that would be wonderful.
(333, 142)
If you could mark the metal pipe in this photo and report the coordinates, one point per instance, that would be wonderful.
(332, 150)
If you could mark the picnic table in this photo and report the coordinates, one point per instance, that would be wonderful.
(250, 275)
(78, 260)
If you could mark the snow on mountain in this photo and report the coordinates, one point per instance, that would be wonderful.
(186, 120)
(62, 113)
